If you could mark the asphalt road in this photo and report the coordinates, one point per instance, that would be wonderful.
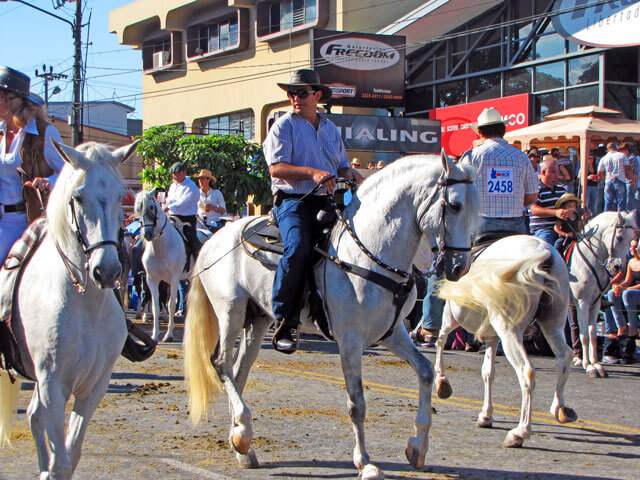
(302, 431)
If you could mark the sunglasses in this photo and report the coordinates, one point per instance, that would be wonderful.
(302, 93)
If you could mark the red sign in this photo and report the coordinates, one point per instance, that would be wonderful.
(457, 136)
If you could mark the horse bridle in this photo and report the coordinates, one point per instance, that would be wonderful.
(610, 258)
(155, 222)
(87, 248)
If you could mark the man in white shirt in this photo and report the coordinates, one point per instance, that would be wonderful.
(614, 169)
(182, 202)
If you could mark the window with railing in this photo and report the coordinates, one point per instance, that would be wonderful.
(218, 35)
(238, 123)
(285, 16)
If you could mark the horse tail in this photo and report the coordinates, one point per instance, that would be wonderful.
(507, 287)
(8, 405)
(200, 338)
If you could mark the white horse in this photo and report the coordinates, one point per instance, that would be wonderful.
(600, 253)
(164, 257)
(515, 281)
(390, 214)
(69, 339)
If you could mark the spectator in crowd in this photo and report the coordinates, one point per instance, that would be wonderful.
(371, 166)
(593, 200)
(381, 164)
(355, 163)
(622, 332)
(534, 157)
(544, 212)
(633, 196)
(615, 170)
(565, 179)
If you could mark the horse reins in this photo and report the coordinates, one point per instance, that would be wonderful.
(155, 223)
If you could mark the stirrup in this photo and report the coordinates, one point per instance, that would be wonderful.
(296, 340)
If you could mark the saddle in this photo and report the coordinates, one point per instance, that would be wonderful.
(179, 224)
(264, 235)
(482, 242)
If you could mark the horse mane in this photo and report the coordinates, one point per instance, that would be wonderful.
(500, 286)
(95, 155)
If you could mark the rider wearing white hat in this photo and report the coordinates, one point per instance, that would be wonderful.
(504, 176)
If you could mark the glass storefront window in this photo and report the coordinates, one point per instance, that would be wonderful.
(484, 87)
(441, 67)
(549, 76)
(517, 81)
(424, 74)
(583, 70)
(548, 103)
(452, 93)
(419, 99)
(549, 46)
(485, 59)
(541, 5)
(579, 97)
(623, 98)
(621, 65)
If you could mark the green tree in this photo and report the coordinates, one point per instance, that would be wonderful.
(238, 165)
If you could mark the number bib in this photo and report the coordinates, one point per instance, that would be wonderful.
(500, 180)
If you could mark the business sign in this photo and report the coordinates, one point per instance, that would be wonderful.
(456, 121)
(388, 134)
(598, 23)
(362, 69)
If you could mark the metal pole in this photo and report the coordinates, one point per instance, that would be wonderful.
(77, 76)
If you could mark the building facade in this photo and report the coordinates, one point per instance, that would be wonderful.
(212, 66)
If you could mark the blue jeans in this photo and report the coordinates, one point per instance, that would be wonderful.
(613, 316)
(549, 235)
(593, 200)
(432, 307)
(631, 300)
(633, 198)
(296, 220)
(496, 224)
(615, 196)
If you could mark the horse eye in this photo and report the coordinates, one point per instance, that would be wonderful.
(77, 198)
(456, 207)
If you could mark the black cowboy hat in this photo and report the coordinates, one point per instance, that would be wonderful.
(19, 83)
(304, 77)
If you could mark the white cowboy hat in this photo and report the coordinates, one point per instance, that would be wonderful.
(489, 116)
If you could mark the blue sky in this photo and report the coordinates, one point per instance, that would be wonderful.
(30, 39)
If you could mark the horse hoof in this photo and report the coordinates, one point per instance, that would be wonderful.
(592, 372)
(566, 415)
(412, 452)
(484, 421)
(240, 441)
(601, 371)
(168, 338)
(145, 318)
(513, 440)
(371, 472)
(443, 387)
(249, 460)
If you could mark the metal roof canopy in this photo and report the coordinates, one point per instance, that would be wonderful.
(580, 127)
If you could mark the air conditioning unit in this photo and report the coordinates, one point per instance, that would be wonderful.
(160, 59)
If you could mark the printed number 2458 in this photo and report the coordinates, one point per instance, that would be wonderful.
(500, 186)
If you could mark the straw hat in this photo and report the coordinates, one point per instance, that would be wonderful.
(489, 116)
(207, 174)
(567, 197)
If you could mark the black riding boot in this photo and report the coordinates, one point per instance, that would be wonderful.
(283, 338)
(192, 237)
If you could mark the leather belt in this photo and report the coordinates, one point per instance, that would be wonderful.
(15, 208)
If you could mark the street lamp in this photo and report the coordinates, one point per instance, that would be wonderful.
(76, 28)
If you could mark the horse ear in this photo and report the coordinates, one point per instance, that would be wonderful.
(68, 154)
(153, 192)
(446, 161)
(620, 220)
(122, 153)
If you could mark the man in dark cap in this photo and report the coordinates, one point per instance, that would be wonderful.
(303, 149)
(182, 202)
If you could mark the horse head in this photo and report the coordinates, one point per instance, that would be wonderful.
(148, 210)
(85, 210)
(456, 220)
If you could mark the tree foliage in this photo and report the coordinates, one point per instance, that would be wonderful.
(238, 165)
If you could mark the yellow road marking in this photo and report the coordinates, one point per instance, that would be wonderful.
(507, 410)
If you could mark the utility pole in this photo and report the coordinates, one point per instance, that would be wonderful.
(77, 77)
(49, 77)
